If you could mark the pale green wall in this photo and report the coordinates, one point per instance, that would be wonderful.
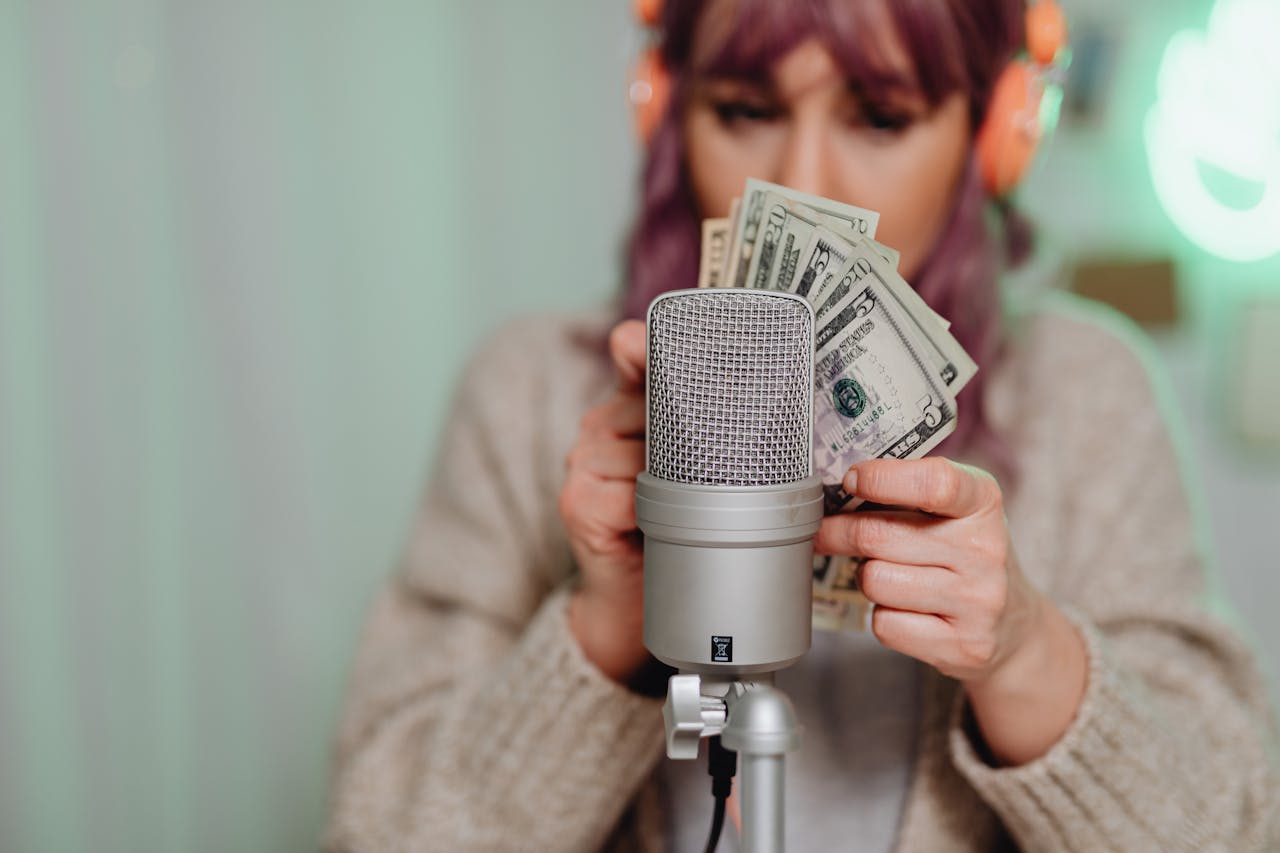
(244, 248)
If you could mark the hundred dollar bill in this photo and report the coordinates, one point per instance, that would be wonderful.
(715, 247)
(857, 220)
(875, 392)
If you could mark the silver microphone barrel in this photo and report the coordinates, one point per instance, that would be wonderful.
(728, 574)
(729, 502)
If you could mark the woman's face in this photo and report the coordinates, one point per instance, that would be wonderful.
(807, 128)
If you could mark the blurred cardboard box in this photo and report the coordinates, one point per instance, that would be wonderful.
(1146, 290)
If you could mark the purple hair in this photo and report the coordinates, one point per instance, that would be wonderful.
(955, 45)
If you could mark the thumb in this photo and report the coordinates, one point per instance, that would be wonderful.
(627, 346)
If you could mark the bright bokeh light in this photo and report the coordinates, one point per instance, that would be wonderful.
(1216, 124)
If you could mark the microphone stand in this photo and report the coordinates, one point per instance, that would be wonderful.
(754, 719)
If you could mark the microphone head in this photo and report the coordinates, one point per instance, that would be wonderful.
(730, 388)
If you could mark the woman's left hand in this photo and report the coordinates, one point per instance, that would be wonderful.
(940, 567)
(948, 591)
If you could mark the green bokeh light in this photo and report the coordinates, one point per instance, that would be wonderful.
(1217, 111)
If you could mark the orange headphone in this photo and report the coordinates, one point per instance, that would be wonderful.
(1022, 111)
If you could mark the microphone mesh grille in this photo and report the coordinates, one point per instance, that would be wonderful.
(730, 386)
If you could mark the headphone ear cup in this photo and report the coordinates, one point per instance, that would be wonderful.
(1006, 144)
(650, 93)
(1046, 31)
(648, 12)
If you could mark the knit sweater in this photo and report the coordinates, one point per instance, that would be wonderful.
(474, 722)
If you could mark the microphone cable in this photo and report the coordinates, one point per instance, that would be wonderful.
(722, 764)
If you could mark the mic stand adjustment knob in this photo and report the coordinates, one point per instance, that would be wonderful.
(690, 716)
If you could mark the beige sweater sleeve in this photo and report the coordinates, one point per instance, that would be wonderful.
(473, 720)
(1173, 748)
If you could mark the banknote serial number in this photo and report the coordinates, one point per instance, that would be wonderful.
(868, 418)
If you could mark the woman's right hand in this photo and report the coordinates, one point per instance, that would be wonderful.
(597, 505)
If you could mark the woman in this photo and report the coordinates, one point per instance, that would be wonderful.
(1043, 670)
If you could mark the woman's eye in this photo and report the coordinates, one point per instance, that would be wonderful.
(732, 112)
(884, 120)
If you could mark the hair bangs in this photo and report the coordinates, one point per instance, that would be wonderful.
(752, 37)
(924, 47)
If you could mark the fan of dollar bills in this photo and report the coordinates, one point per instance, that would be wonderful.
(886, 368)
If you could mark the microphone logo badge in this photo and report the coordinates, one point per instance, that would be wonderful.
(722, 649)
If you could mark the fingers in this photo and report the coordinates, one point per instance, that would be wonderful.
(599, 514)
(597, 502)
(616, 459)
(972, 547)
(623, 414)
(922, 636)
(903, 536)
(920, 589)
(954, 648)
(620, 415)
(627, 346)
(934, 484)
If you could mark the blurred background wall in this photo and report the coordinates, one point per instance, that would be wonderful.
(244, 249)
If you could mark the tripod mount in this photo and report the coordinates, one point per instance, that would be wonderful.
(756, 720)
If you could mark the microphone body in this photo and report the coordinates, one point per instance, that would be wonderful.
(728, 502)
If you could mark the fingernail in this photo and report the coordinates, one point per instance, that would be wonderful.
(851, 481)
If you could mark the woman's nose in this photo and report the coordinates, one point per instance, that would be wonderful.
(803, 162)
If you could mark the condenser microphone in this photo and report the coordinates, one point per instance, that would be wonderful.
(728, 502)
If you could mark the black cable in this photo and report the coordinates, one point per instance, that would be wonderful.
(717, 824)
(722, 764)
